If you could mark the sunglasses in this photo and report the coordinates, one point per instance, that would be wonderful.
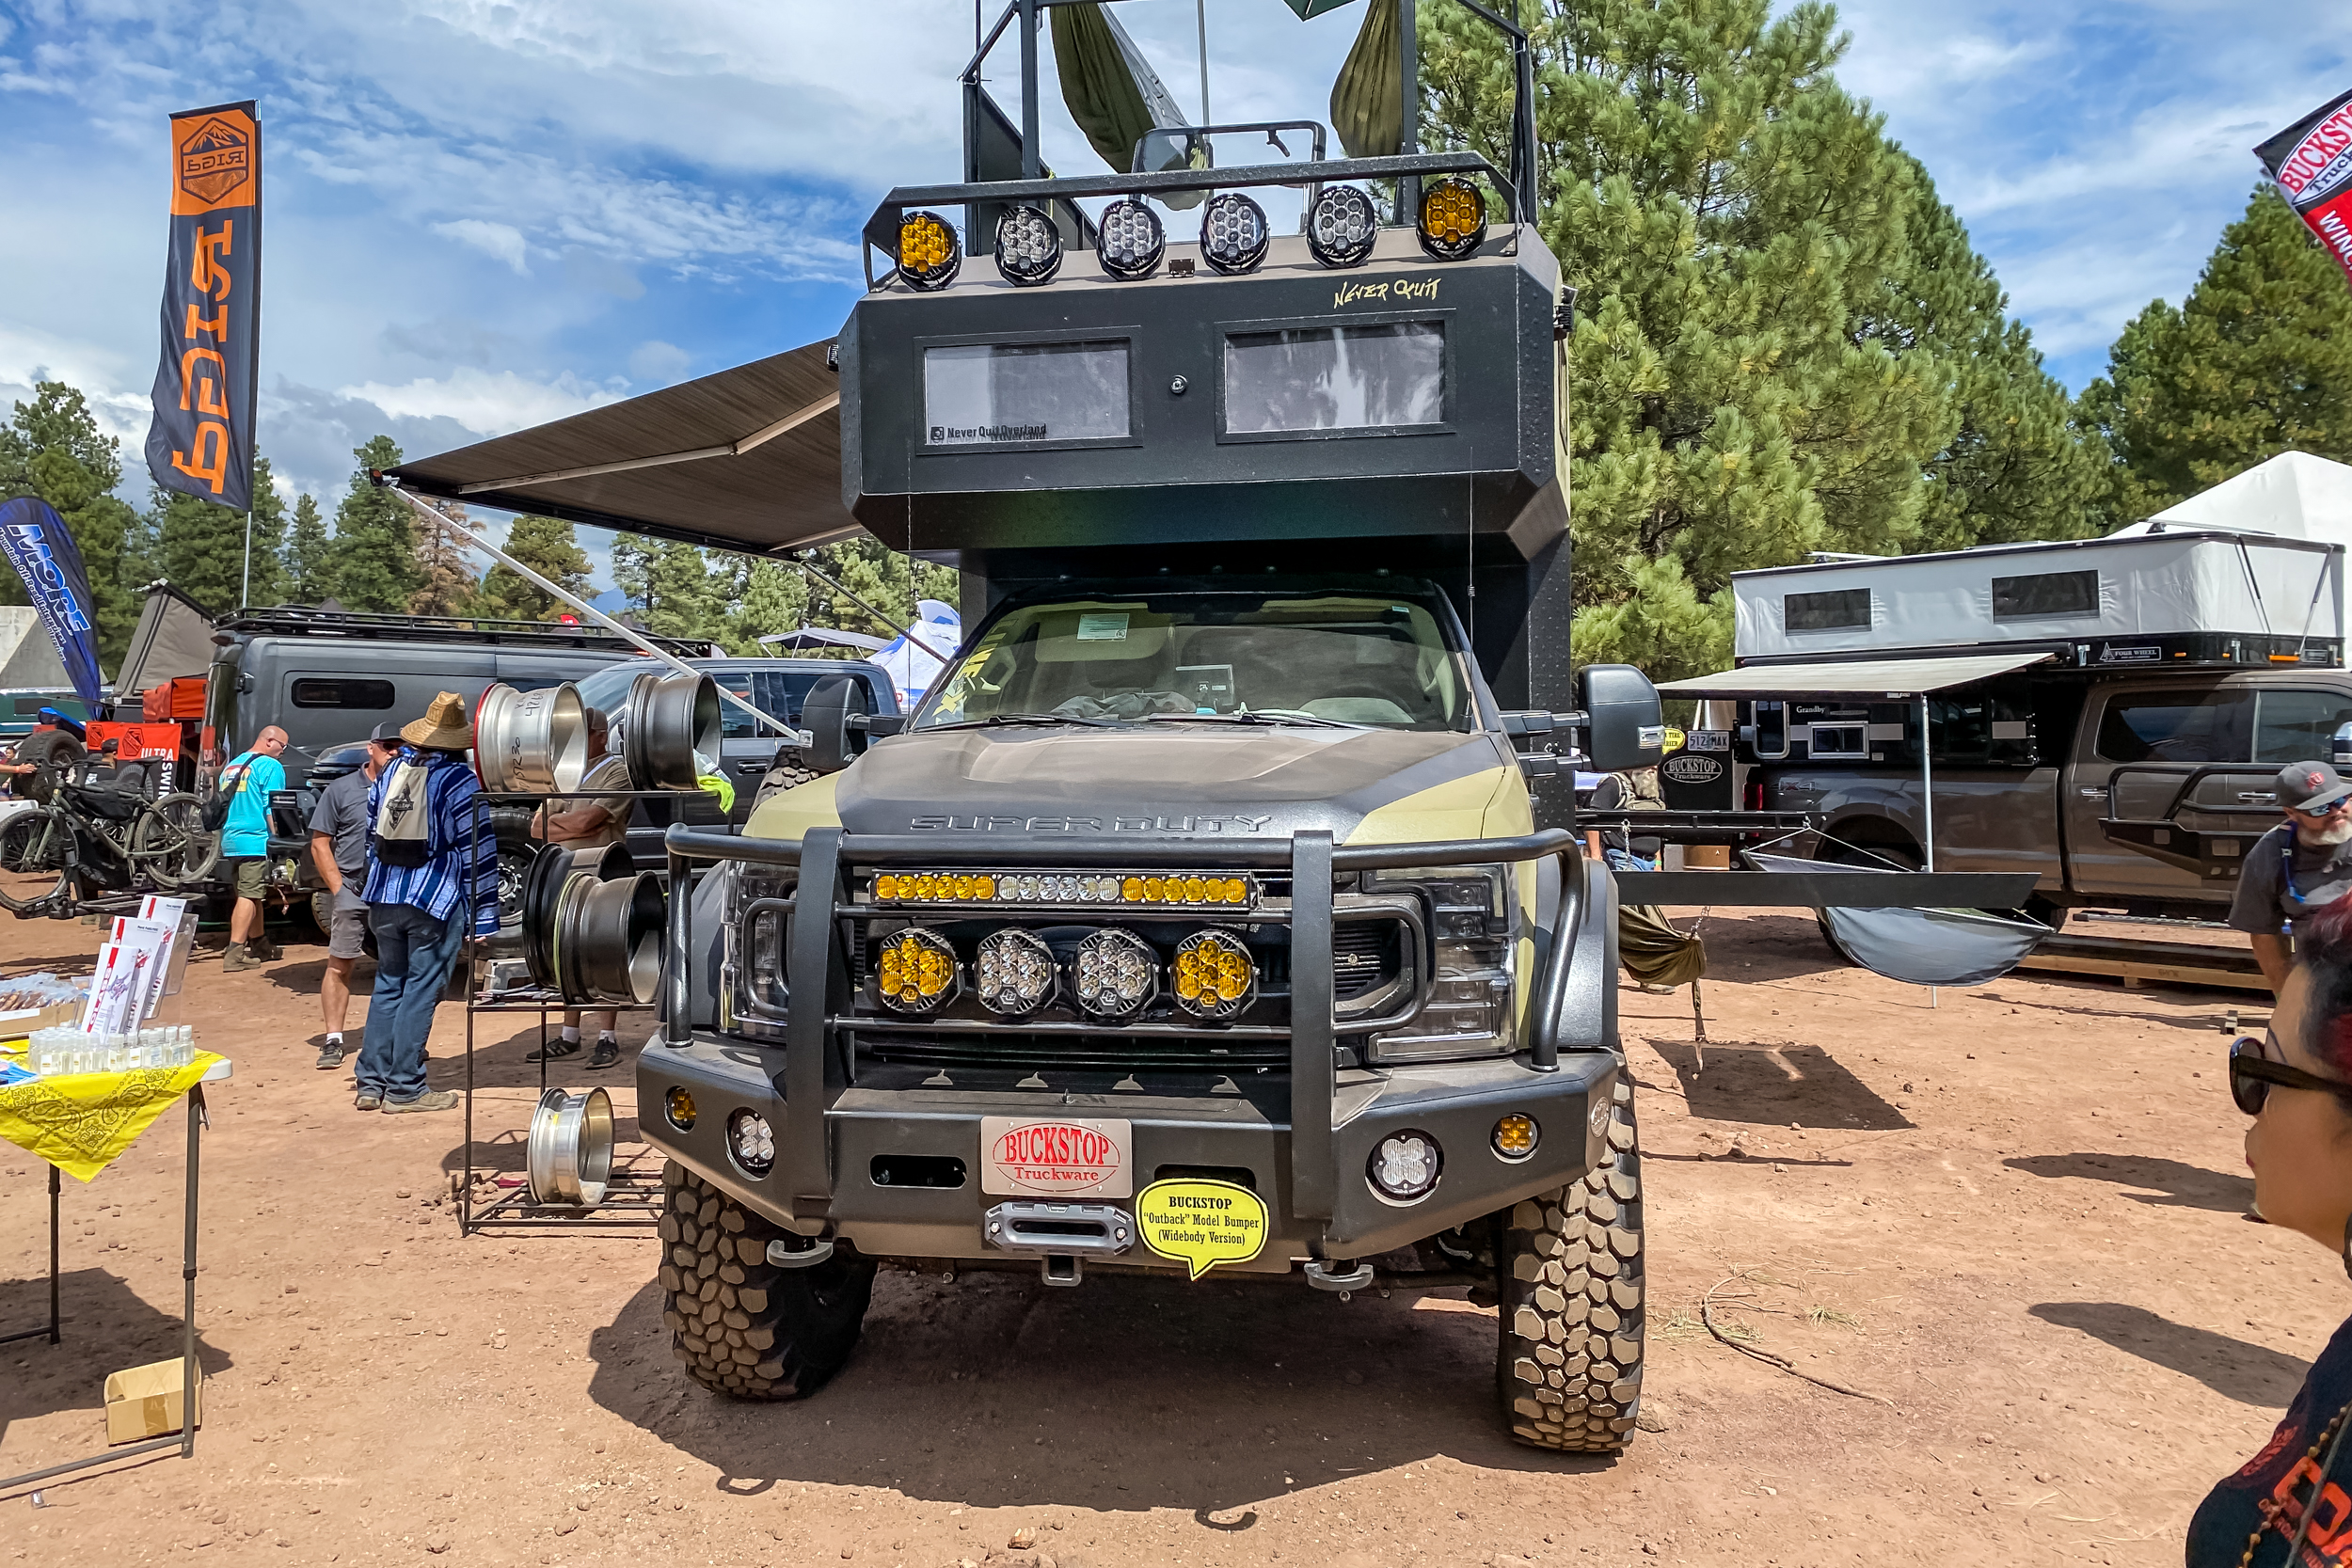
(2252, 1073)
(2331, 809)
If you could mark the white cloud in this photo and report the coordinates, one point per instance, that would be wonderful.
(489, 403)
(658, 363)
(500, 242)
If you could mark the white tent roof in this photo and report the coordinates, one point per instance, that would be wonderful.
(1860, 678)
(28, 656)
(2293, 495)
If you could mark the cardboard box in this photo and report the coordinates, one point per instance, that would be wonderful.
(144, 1401)
(1707, 857)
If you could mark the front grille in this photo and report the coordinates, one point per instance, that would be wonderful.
(1198, 1051)
(1365, 956)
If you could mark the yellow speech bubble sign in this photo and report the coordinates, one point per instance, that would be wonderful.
(1201, 1224)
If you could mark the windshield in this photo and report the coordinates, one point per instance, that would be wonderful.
(1378, 662)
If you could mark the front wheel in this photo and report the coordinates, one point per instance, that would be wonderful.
(170, 844)
(35, 847)
(1569, 1364)
(742, 1326)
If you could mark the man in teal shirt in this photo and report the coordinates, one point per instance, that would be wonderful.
(249, 781)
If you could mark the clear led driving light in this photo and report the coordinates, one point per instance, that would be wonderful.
(929, 257)
(1013, 972)
(1234, 232)
(916, 972)
(1129, 240)
(1404, 1166)
(1029, 246)
(1342, 226)
(1212, 976)
(753, 1142)
(1114, 974)
(1453, 218)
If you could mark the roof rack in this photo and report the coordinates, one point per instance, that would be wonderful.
(296, 619)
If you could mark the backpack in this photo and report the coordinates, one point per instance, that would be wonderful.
(225, 790)
(402, 836)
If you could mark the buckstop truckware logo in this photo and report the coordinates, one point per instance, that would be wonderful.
(2312, 160)
(201, 440)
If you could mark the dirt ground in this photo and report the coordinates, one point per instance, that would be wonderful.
(2012, 1222)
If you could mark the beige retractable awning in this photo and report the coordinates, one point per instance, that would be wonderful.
(1885, 679)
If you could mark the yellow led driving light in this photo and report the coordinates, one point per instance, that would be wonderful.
(916, 972)
(1453, 218)
(929, 256)
(1515, 1136)
(679, 1107)
(1213, 976)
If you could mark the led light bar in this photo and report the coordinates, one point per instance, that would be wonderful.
(1123, 889)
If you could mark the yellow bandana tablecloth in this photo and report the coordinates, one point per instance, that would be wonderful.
(82, 1123)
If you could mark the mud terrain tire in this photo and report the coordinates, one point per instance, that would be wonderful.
(744, 1328)
(1569, 1369)
(784, 773)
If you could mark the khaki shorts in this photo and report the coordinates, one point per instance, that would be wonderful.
(348, 928)
(250, 873)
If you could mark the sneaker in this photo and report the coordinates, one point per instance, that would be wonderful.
(432, 1100)
(369, 1101)
(554, 1050)
(331, 1055)
(607, 1053)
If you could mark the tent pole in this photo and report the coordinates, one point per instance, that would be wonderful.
(1926, 802)
(1032, 164)
(245, 593)
(1201, 18)
(1408, 106)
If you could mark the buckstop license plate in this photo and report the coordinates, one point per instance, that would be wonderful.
(1056, 1157)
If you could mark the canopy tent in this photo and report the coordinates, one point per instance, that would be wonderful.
(824, 637)
(28, 655)
(1886, 679)
(748, 458)
(172, 641)
(2294, 496)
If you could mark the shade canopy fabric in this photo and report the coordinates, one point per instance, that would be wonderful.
(1108, 86)
(1882, 678)
(746, 459)
(173, 640)
(1923, 947)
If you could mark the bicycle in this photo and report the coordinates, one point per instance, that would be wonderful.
(85, 836)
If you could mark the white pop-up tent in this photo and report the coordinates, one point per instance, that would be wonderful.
(2294, 496)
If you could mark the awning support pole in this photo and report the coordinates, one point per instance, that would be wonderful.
(869, 609)
(1926, 804)
(466, 531)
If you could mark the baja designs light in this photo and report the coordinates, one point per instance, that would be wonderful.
(1129, 241)
(1114, 974)
(1059, 887)
(929, 256)
(1342, 226)
(1013, 972)
(1029, 246)
(1453, 218)
(1212, 976)
(916, 972)
(678, 1106)
(1234, 232)
(753, 1142)
(1515, 1136)
(1404, 1165)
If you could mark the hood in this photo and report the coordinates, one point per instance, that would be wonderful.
(1162, 780)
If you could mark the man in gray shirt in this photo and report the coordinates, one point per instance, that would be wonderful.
(2298, 867)
(339, 847)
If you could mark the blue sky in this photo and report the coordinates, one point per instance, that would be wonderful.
(484, 215)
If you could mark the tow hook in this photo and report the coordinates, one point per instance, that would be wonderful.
(783, 1257)
(1343, 1276)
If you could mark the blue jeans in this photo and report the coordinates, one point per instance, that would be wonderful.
(414, 954)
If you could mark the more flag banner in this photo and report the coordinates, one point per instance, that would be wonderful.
(42, 548)
(201, 440)
(2312, 160)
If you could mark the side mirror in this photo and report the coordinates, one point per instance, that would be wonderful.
(832, 715)
(1625, 728)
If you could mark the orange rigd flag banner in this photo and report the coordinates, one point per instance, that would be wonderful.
(201, 440)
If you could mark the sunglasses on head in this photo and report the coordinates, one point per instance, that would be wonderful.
(2252, 1073)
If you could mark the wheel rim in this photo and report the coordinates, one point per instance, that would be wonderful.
(32, 858)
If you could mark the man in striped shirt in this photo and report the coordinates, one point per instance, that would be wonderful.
(429, 884)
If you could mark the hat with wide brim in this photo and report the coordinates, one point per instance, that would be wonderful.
(444, 726)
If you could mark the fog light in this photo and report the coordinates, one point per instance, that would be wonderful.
(679, 1107)
(1212, 976)
(1029, 246)
(752, 1141)
(1514, 1137)
(1453, 218)
(916, 972)
(1234, 232)
(1342, 226)
(1129, 240)
(1404, 1165)
(1013, 972)
(929, 256)
(1114, 974)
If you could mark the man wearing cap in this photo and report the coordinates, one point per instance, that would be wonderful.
(339, 847)
(249, 781)
(2298, 867)
(431, 878)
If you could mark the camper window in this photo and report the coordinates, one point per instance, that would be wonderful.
(2045, 595)
(2295, 726)
(1000, 394)
(1840, 610)
(1335, 378)
(326, 694)
(2174, 726)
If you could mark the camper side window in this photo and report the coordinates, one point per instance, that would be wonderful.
(2174, 726)
(1842, 610)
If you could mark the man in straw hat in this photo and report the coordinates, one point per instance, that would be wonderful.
(431, 878)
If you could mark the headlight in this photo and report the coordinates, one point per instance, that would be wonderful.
(1114, 974)
(1029, 246)
(1212, 976)
(916, 972)
(1473, 928)
(929, 256)
(1453, 218)
(1130, 241)
(1234, 232)
(754, 998)
(1342, 226)
(1013, 972)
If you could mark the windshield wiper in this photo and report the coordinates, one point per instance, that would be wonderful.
(995, 720)
(1253, 719)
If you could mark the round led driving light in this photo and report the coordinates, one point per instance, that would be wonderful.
(1129, 241)
(753, 1142)
(1029, 246)
(1453, 218)
(1114, 972)
(679, 1107)
(1515, 1136)
(929, 257)
(1404, 1166)
(916, 972)
(1013, 972)
(1212, 976)
(1342, 226)
(1234, 232)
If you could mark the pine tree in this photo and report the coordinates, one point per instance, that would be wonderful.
(548, 547)
(682, 599)
(632, 567)
(374, 558)
(884, 577)
(51, 448)
(445, 561)
(309, 554)
(776, 599)
(2256, 361)
(201, 548)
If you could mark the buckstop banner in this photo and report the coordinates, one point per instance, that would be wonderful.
(2312, 160)
(43, 553)
(201, 441)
